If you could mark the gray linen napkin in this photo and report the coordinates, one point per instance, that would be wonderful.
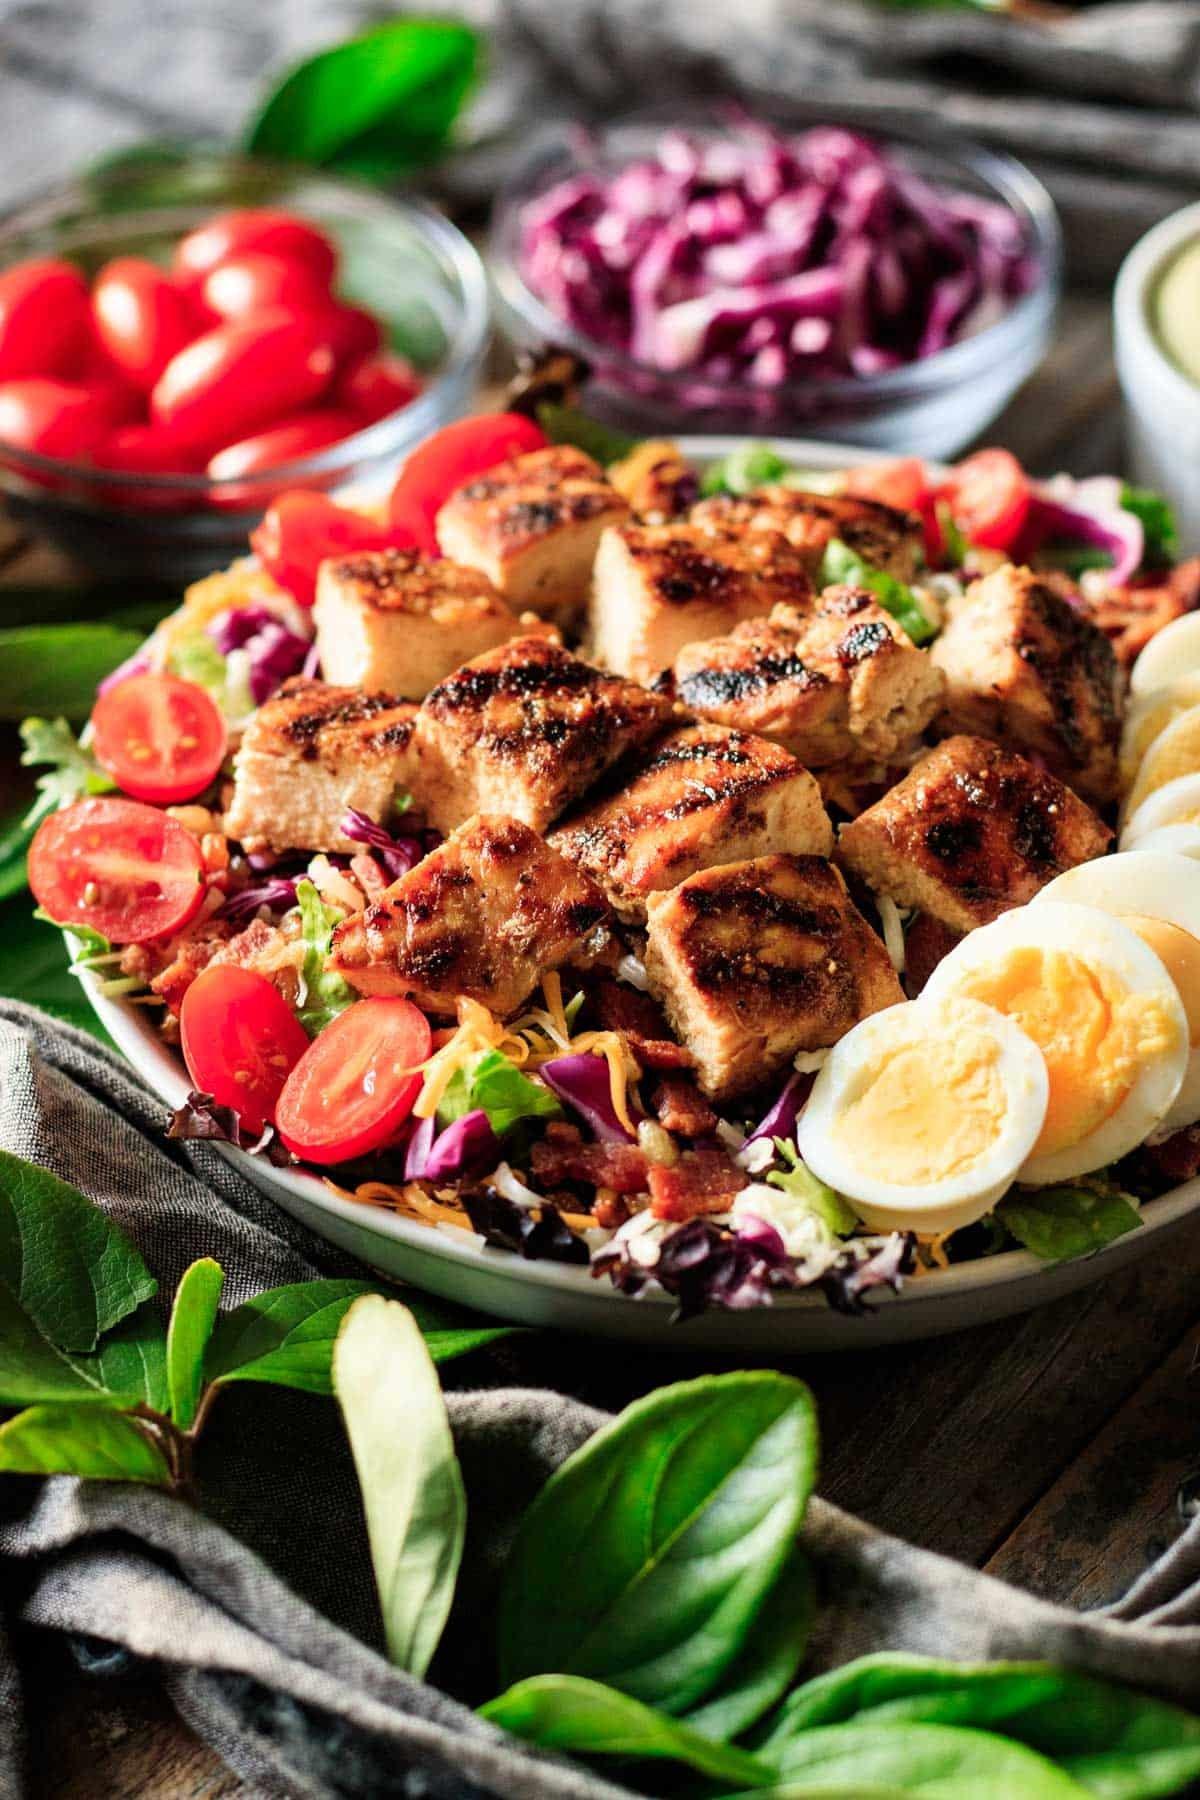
(260, 1611)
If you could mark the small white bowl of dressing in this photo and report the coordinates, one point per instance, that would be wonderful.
(1156, 322)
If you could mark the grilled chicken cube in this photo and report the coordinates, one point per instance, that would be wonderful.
(390, 622)
(1026, 667)
(757, 960)
(656, 479)
(311, 753)
(525, 730)
(971, 831)
(702, 795)
(532, 525)
(836, 682)
(882, 535)
(484, 917)
(659, 587)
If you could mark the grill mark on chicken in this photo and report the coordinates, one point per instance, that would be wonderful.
(722, 687)
(861, 643)
(303, 728)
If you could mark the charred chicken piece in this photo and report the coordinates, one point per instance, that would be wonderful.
(971, 831)
(1026, 667)
(835, 682)
(483, 917)
(311, 753)
(758, 960)
(882, 535)
(532, 525)
(702, 795)
(525, 730)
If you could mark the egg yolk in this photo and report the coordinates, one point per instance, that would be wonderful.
(1093, 1033)
(923, 1112)
(1179, 953)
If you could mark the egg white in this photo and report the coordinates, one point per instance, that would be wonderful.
(1157, 885)
(1171, 652)
(1177, 803)
(1102, 942)
(1174, 754)
(1179, 840)
(1148, 715)
(959, 1199)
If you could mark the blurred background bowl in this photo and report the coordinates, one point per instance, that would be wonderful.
(399, 258)
(931, 407)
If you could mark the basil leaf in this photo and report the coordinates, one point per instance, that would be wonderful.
(377, 104)
(192, 1318)
(57, 668)
(131, 1360)
(412, 1490)
(841, 564)
(1137, 1775)
(773, 1652)
(1059, 1222)
(126, 1369)
(325, 994)
(940, 1761)
(568, 425)
(93, 1441)
(565, 1712)
(73, 1272)
(646, 1558)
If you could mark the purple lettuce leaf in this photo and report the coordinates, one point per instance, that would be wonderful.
(543, 1235)
(582, 1083)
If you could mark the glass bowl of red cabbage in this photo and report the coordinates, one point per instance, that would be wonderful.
(891, 289)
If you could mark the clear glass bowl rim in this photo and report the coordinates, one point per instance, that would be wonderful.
(45, 212)
(1007, 178)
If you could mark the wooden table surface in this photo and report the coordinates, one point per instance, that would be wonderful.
(1048, 1450)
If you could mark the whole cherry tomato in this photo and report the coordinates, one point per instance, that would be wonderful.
(237, 379)
(255, 282)
(142, 318)
(300, 529)
(125, 870)
(352, 332)
(375, 386)
(288, 442)
(146, 450)
(54, 418)
(354, 1087)
(43, 318)
(452, 456)
(240, 1040)
(161, 738)
(258, 228)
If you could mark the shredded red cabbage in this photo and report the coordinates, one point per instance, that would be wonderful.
(467, 1146)
(780, 1120)
(274, 650)
(1088, 512)
(397, 853)
(279, 891)
(762, 257)
(582, 1083)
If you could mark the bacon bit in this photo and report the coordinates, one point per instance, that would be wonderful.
(702, 1181)
(926, 942)
(1177, 1158)
(678, 1107)
(562, 1156)
(368, 874)
(610, 1210)
(1130, 616)
(639, 1019)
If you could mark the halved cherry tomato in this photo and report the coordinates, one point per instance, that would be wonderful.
(456, 454)
(118, 867)
(238, 379)
(142, 319)
(160, 738)
(904, 483)
(43, 318)
(989, 497)
(352, 333)
(55, 418)
(258, 228)
(240, 1041)
(255, 282)
(375, 386)
(300, 529)
(355, 1085)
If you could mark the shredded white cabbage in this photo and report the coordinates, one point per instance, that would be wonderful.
(513, 1188)
(756, 1156)
(632, 969)
(893, 930)
(809, 1062)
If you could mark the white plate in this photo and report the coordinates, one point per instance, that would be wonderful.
(459, 1267)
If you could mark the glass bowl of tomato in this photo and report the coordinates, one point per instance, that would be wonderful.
(184, 335)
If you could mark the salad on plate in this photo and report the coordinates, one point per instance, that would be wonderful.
(700, 873)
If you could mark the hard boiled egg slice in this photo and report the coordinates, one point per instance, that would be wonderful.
(924, 1113)
(1180, 840)
(1103, 1011)
(1174, 753)
(1178, 803)
(1171, 652)
(1147, 717)
(1159, 895)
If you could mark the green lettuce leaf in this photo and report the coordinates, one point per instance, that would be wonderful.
(326, 994)
(494, 1083)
